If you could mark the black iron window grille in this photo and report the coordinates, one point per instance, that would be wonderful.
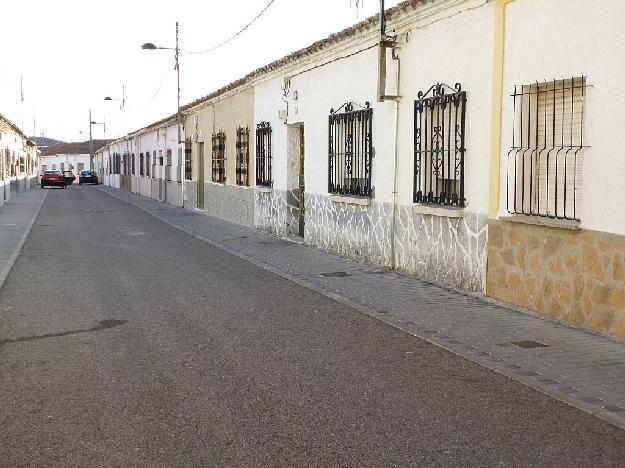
(439, 148)
(243, 156)
(188, 165)
(168, 165)
(141, 164)
(544, 166)
(219, 157)
(350, 150)
(132, 163)
(147, 164)
(179, 165)
(154, 163)
(263, 155)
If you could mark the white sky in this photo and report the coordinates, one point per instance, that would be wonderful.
(73, 53)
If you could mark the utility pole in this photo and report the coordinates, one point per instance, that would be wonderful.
(90, 142)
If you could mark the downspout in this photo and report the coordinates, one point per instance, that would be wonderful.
(395, 57)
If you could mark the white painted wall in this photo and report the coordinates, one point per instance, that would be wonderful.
(557, 39)
(71, 161)
(454, 44)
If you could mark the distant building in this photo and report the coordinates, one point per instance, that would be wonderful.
(68, 156)
(18, 161)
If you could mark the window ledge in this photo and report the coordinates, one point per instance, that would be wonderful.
(439, 210)
(540, 221)
(351, 199)
(263, 189)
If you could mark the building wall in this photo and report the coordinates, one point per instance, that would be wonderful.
(70, 161)
(573, 275)
(439, 247)
(13, 146)
(227, 201)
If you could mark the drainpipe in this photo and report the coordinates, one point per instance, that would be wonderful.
(395, 57)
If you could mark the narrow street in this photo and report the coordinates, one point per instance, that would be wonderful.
(104, 363)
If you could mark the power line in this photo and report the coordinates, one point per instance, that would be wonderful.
(221, 44)
(158, 90)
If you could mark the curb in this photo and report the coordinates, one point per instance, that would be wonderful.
(602, 414)
(18, 249)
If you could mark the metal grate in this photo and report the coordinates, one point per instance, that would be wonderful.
(439, 124)
(219, 157)
(544, 173)
(263, 155)
(243, 156)
(350, 150)
(529, 344)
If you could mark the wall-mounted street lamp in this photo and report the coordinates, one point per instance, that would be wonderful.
(151, 46)
(123, 99)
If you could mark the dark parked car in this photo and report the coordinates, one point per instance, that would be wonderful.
(52, 178)
(87, 176)
(69, 177)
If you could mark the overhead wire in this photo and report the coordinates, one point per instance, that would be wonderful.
(238, 33)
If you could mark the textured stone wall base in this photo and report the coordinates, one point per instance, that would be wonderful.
(190, 194)
(450, 251)
(230, 202)
(577, 277)
(273, 214)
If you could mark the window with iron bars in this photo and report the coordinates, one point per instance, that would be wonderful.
(439, 150)
(544, 165)
(179, 166)
(350, 150)
(154, 162)
(132, 163)
(263, 155)
(147, 164)
(141, 164)
(243, 156)
(188, 161)
(219, 157)
(168, 165)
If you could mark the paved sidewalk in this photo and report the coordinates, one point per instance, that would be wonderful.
(583, 369)
(16, 219)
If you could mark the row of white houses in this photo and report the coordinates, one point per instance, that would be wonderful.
(18, 161)
(475, 145)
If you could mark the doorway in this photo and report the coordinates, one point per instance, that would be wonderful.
(302, 204)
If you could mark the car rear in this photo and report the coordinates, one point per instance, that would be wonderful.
(87, 177)
(52, 179)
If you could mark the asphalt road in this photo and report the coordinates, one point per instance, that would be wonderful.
(125, 342)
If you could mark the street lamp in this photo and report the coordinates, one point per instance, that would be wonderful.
(92, 122)
(123, 99)
(151, 46)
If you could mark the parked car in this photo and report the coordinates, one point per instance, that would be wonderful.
(69, 177)
(52, 178)
(87, 176)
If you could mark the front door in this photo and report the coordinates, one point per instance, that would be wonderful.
(301, 181)
(200, 176)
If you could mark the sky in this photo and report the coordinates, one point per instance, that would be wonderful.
(70, 54)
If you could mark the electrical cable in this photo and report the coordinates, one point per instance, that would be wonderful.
(221, 44)
(158, 90)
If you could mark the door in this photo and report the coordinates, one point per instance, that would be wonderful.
(200, 175)
(302, 205)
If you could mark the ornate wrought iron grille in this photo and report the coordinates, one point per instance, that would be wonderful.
(439, 121)
(219, 157)
(544, 166)
(263, 155)
(243, 156)
(188, 164)
(350, 150)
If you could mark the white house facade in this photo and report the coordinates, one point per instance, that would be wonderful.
(18, 161)
(460, 146)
